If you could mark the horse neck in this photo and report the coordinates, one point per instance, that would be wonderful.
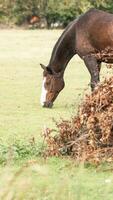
(64, 49)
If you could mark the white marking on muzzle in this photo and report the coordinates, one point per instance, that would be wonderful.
(44, 92)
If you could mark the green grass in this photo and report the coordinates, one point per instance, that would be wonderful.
(20, 83)
(55, 179)
(21, 53)
(22, 118)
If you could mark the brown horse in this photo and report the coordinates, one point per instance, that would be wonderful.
(91, 37)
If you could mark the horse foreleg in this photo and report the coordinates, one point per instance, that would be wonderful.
(93, 67)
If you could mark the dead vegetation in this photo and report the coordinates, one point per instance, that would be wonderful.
(88, 136)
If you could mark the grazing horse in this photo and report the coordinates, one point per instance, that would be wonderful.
(91, 37)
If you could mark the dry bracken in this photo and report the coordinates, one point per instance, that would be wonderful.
(89, 135)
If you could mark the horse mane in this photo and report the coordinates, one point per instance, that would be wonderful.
(59, 41)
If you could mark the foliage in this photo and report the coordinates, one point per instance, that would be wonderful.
(21, 11)
(88, 136)
(20, 150)
(58, 11)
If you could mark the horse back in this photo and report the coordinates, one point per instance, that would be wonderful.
(94, 31)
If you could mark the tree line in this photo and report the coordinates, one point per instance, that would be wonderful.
(62, 12)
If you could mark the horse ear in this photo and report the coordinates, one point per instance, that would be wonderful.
(43, 66)
(46, 69)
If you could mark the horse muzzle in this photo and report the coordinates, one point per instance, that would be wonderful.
(47, 104)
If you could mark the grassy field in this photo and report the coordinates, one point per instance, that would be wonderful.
(21, 52)
(22, 118)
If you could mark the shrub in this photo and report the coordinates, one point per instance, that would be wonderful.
(20, 149)
(20, 11)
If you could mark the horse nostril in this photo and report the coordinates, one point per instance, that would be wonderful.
(47, 104)
(50, 105)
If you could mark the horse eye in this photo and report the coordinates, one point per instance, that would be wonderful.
(47, 83)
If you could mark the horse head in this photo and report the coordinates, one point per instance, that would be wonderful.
(52, 84)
